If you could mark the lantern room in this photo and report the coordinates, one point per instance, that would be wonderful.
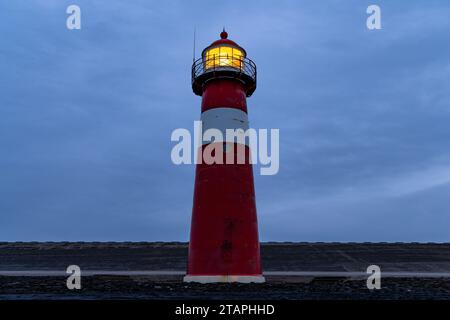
(224, 58)
(223, 53)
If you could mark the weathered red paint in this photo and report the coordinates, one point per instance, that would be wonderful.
(224, 229)
(220, 93)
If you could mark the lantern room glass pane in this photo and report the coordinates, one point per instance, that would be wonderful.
(223, 57)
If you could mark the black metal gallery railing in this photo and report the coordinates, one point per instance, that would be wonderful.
(213, 63)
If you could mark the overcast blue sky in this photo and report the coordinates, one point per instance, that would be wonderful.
(86, 117)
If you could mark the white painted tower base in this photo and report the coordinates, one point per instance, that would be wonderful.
(226, 279)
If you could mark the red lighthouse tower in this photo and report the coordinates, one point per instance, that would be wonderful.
(224, 244)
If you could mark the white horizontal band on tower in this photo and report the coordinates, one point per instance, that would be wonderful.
(222, 119)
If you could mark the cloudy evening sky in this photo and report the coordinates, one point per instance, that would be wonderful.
(86, 117)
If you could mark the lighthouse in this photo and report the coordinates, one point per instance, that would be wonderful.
(224, 244)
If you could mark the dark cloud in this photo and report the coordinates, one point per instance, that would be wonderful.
(86, 118)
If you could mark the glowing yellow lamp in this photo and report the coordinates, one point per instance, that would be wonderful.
(223, 56)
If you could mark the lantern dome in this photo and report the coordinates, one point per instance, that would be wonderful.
(226, 42)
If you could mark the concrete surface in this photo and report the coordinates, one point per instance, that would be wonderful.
(292, 271)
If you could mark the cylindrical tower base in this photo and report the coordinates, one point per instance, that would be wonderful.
(224, 279)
